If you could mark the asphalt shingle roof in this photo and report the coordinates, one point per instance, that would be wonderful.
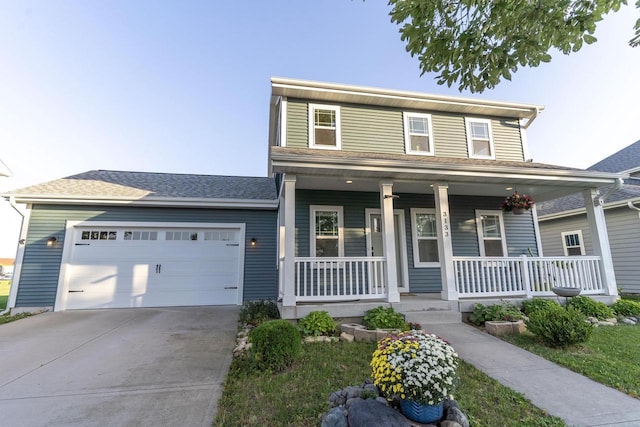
(625, 159)
(135, 185)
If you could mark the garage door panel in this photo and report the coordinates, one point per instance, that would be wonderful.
(153, 273)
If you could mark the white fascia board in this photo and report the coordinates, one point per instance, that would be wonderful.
(151, 201)
(597, 179)
(582, 211)
(284, 87)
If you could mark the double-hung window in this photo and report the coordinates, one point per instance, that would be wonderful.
(324, 127)
(418, 136)
(479, 138)
(572, 243)
(491, 237)
(425, 238)
(326, 231)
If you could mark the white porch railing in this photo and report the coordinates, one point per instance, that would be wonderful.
(525, 276)
(335, 279)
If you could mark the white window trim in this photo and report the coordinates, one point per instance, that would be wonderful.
(312, 134)
(407, 137)
(481, 237)
(414, 239)
(468, 121)
(312, 228)
(564, 242)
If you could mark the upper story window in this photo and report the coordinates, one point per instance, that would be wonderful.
(425, 238)
(326, 231)
(324, 126)
(480, 139)
(491, 236)
(572, 243)
(418, 136)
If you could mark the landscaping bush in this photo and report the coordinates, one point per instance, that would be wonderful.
(485, 313)
(591, 308)
(275, 345)
(559, 326)
(535, 304)
(624, 307)
(317, 323)
(255, 312)
(384, 318)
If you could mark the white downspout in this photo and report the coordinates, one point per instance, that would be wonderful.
(18, 259)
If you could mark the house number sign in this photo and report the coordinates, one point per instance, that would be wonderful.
(445, 223)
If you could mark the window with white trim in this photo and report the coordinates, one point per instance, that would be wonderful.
(479, 138)
(572, 243)
(491, 237)
(326, 231)
(324, 127)
(418, 135)
(425, 238)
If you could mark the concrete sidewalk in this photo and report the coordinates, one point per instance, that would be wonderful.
(576, 399)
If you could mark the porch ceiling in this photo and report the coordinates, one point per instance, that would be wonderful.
(543, 182)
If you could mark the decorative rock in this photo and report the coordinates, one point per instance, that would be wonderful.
(370, 412)
(498, 328)
(338, 398)
(612, 320)
(353, 391)
(456, 415)
(350, 327)
(606, 323)
(336, 417)
(364, 335)
(448, 404)
(518, 327)
(371, 388)
(592, 319)
(628, 321)
(449, 423)
(382, 333)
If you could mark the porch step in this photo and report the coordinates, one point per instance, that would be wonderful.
(433, 317)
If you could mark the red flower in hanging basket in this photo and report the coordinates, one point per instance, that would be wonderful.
(517, 201)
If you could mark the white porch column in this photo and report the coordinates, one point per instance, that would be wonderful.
(389, 240)
(445, 247)
(289, 297)
(600, 239)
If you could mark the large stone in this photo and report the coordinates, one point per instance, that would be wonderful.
(605, 323)
(628, 321)
(448, 404)
(449, 423)
(370, 412)
(364, 335)
(612, 320)
(346, 337)
(456, 415)
(518, 327)
(350, 327)
(338, 398)
(336, 417)
(353, 391)
(498, 328)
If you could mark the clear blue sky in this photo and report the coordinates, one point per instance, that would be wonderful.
(184, 86)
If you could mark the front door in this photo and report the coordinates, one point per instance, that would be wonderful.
(374, 242)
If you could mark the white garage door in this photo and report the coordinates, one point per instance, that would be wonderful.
(115, 267)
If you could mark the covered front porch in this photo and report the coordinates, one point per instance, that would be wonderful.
(350, 273)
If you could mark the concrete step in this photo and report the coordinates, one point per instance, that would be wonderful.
(433, 317)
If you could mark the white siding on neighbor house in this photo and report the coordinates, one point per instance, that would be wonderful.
(623, 228)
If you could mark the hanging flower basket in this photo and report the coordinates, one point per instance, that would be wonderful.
(517, 203)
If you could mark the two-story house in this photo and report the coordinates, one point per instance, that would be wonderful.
(376, 197)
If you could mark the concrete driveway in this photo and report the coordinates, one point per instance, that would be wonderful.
(127, 367)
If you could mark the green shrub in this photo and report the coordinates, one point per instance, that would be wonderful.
(255, 312)
(484, 313)
(317, 323)
(275, 345)
(624, 307)
(535, 304)
(384, 318)
(591, 308)
(559, 326)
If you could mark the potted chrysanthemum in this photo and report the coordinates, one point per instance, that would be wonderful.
(419, 369)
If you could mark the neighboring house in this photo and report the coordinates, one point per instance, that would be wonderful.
(565, 231)
(377, 196)
(6, 267)
(4, 170)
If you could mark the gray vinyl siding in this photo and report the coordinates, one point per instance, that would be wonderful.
(41, 265)
(519, 229)
(623, 229)
(381, 130)
(507, 140)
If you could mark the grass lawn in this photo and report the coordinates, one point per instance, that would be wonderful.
(634, 297)
(610, 357)
(4, 293)
(298, 396)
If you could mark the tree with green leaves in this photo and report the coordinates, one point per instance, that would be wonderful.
(477, 43)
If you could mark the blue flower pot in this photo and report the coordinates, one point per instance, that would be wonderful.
(421, 413)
